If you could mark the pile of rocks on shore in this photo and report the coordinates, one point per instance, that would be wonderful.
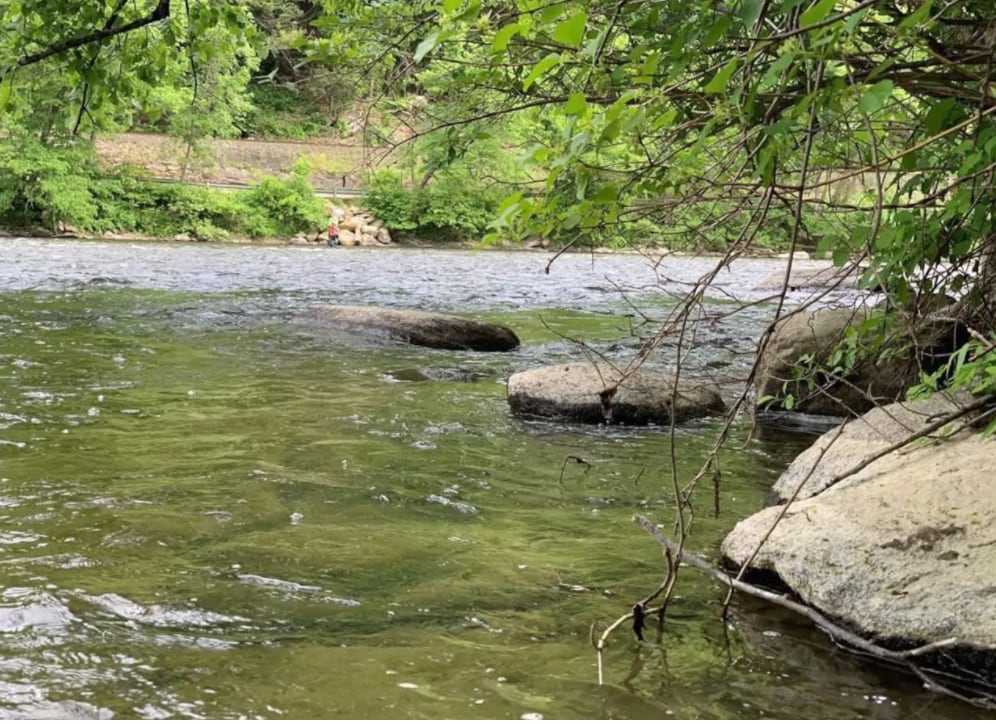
(357, 227)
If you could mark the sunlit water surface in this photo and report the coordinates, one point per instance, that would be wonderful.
(211, 506)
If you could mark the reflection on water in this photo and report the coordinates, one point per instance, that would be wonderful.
(211, 507)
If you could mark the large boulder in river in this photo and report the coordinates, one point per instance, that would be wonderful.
(601, 393)
(425, 329)
(814, 335)
(900, 551)
(839, 450)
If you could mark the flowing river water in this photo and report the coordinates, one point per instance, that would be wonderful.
(211, 506)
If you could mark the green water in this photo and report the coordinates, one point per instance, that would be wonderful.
(217, 514)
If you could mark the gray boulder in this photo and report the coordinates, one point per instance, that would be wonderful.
(842, 448)
(598, 393)
(442, 331)
(818, 333)
(901, 551)
(807, 274)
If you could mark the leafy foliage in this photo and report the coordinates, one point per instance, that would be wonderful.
(867, 126)
(64, 187)
(42, 186)
(283, 207)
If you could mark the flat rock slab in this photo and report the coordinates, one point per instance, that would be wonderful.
(585, 392)
(843, 447)
(425, 329)
(902, 551)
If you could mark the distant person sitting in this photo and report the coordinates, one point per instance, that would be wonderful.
(333, 238)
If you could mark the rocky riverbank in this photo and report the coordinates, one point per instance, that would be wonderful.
(886, 525)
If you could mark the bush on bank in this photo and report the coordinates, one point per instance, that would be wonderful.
(55, 187)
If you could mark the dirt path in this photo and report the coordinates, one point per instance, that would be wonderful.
(335, 165)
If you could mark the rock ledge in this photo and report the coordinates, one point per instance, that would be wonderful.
(903, 550)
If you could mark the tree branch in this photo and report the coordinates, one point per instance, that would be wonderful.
(160, 12)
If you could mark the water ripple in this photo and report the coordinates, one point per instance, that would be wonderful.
(158, 615)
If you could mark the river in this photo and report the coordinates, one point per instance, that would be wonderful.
(212, 506)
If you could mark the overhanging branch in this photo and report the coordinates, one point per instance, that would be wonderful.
(160, 12)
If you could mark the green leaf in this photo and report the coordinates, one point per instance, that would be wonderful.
(504, 36)
(551, 12)
(750, 11)
(720, 80)
(937, 115)
(550, 61)
(570, 32)
(579, 142)
(854, 19)
(717, 31)
(610, 132)
(876, 96)
(608, 194)
(427, 45)
(917, 16)
(510, 200)
(576, 104)
(909, 162)
(816, 13)
(472, 11)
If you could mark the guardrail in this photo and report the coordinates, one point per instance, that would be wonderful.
(340, 193)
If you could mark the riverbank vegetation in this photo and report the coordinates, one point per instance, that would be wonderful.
(52, 189)
(268, 70)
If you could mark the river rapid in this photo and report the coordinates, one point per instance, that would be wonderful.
(212, 506)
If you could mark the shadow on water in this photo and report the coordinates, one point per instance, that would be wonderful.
(211, 507)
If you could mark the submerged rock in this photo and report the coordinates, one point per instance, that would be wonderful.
(438, 374)
(901, 551)
(586, 392)
(441, 331)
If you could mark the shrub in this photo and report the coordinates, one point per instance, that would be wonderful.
(43, 186)
(391, 202)
(277, 207)
(452, 206)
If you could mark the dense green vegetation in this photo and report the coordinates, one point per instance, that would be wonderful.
(54, 189)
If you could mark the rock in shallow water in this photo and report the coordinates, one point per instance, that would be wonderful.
(441, 331)
(585, 392)
(900, 551)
